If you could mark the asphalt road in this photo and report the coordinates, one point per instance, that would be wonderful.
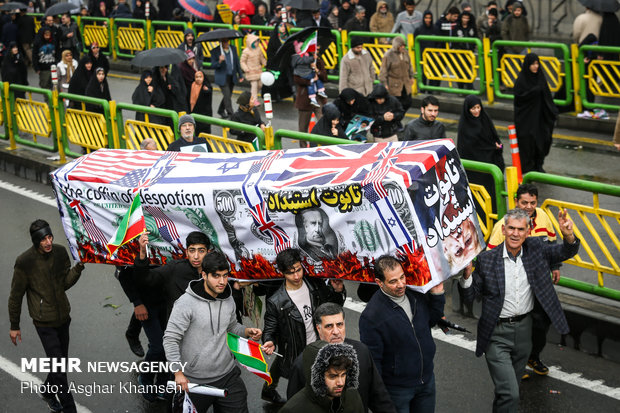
(579, 382)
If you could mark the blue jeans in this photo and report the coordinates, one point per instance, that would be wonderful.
(416, 399)
(315, 85)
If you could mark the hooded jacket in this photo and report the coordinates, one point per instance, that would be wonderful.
(142, 96)
(44, 52)
(252, 58)
(360, 106)
(196, 333)
(421, 129)
(516, 29)
(324, 125)
(396, 70)
(196, 47)
(313, 398)
(382, 128)
(382, 23)
(371, 388)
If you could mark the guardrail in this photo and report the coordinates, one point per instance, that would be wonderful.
(130, 36)
(33, 117)
(167, 37)
(132, 132)
(448, 64)
(96, 29)
(596, 240)
(601, 77)
(223, 123)
(87, 129)
(506, 70)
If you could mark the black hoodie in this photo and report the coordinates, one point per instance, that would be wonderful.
(382, 128)
(324, 125)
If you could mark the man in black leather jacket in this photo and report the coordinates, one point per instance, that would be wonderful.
(426, 126)
(288, 317)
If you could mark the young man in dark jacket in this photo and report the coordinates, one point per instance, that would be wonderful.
(387, 112)
(332, 372)
(288, 317)
(396, 327)
(426, 126)
(173, 277)
(44, 273)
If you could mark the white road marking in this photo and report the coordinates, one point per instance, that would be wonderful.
(28, 193)
(15, 371)
(459, 340)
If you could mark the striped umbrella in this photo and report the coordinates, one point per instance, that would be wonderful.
(198, 8)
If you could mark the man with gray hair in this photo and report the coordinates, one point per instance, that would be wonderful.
(187, 128)
(148, 144)
(511, 279)
(357, 23)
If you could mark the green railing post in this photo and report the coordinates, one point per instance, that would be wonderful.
(498, 179)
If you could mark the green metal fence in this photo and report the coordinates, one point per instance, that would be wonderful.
(450, 64)
(223, 123)
(558, 71)
(596, 227)
(33, 117)
(96, 29)
(89, 130)
(130, 37)
(601, 76)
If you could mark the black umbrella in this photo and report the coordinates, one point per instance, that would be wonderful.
(160, 56)
(282, 59)
(304, 4)
(59, 8)
(219, 34)
(13, 6)
(601, 6)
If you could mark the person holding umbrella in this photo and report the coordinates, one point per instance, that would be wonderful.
(225, 61)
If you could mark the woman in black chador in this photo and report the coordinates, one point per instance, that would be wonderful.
(535, 114)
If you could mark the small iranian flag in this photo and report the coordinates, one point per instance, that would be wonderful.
(249, 354)
(309, 45)
(130, 227)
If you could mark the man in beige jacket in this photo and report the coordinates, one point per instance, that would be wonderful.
(356, 69)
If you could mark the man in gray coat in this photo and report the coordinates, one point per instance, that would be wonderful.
(196, 335)
(356, 69)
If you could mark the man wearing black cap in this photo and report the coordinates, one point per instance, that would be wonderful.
(356, 68)
(187, 127)
(44, 273)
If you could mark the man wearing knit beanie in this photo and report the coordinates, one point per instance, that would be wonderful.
(43, 273)
(187, 127)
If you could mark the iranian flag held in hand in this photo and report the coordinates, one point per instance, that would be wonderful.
(249, 354)
(130, 227)
(309, 45)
